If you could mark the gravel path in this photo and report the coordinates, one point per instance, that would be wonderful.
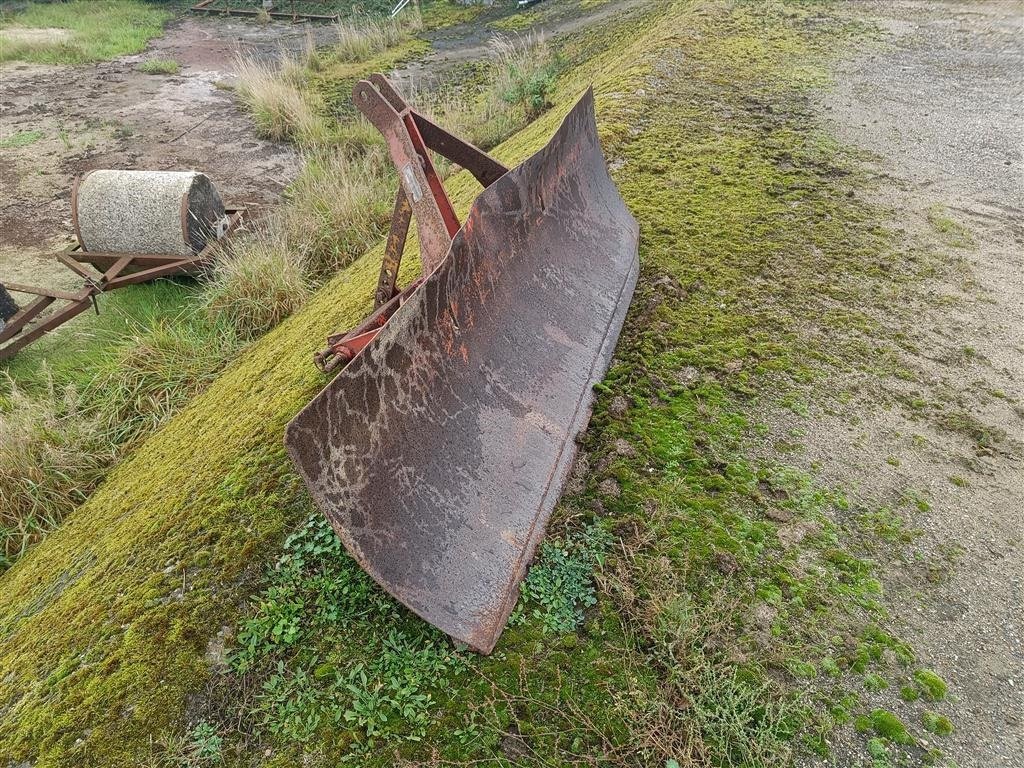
(939, 105)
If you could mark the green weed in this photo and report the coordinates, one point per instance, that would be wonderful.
(20, 139)
(160, 67)
(559, 586)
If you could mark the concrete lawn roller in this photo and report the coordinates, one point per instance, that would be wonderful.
(130, 227)
(441, 447)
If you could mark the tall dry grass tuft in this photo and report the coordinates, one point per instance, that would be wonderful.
(361, 38)
(51, 456)
(526, 69)
(56, 445)
(282, 109)
(258, 284)
(338, 206)
(153, 373)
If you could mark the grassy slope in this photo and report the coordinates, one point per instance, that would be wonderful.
(745, 241)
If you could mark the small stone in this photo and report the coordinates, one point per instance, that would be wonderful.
(687, 375)
(624, 448)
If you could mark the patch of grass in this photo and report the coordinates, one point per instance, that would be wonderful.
(527, 68)
(51, 456)
(20, 139)
(59, 442)
(952, 232)
(160, 67)
(982, 435)
(514, 88)
(257, 284)
(79, 31)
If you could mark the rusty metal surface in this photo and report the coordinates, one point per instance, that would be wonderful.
(439, 453)
(435, 219)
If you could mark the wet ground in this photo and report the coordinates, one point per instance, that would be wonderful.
(111, 115)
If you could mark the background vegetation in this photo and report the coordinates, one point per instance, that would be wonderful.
(79, 31)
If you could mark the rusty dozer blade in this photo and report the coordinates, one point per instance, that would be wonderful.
(441, 448)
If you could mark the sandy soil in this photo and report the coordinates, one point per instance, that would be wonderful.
(111, 115)
(939, 105)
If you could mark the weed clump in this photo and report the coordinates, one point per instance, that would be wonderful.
(52, 454)
(160, 67)
(527, 68)
(560, 585)
(281, 108)
(258, 284)
(361, 38)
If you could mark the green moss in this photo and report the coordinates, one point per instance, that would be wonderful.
(910, 693)
(877, 748)
(874, 683)
(442, 13)
(938, 724)
(933, 686)
(889, 727)
(517, 21)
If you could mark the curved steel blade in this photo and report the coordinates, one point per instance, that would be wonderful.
(440, 451)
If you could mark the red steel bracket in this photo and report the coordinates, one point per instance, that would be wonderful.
(421, 194)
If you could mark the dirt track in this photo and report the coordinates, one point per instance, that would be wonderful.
(111, 115)
(940, 107)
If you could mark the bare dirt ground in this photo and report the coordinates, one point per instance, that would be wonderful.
(111, 115)
(939, 105)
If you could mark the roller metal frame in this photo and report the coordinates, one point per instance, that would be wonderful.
(112, 271)
(209, 7)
